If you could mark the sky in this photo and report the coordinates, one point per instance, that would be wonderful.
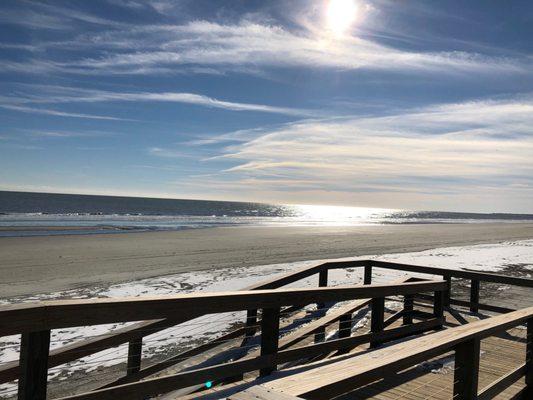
(378, 103)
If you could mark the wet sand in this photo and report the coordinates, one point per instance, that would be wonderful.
(34, 265)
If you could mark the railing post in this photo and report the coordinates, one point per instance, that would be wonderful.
(448, 292)
(320, 335)
(34, 349)
(368, 275)
(474, 295)
(438, 305)
(466, 370)
(269, 336)
(377, 319)
(135, 349)
(528, 393)
(408, 308)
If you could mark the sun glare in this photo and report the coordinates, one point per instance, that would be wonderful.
(341, 15)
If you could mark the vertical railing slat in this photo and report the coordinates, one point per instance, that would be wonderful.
(368, 275)
(466, 370)
(377, 318)
(408, 308)
(135, 348)
(34, 350)
(320, 335)
(474, 295)
(448, 292)
(269, 335)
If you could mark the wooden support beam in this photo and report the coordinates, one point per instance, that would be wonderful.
(269, 336)
(320, 335)
(466, 370)
(474, 295)
(377, 318)
(448, 291)
(368, 275)
(135, 349)
(408, 308)
(34, 349)
(438, 304)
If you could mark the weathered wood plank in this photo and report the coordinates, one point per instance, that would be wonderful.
(259, 393)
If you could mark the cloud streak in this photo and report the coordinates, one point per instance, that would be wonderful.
(246, 46)
(56, 113)
(58, 94)
(453, 149)
(253, 44)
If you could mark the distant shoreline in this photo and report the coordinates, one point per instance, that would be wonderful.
(44, 264)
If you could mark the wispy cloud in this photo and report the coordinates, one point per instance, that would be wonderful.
(57, 113)
(253, 44)
(247, 46)
(68, 134)
(58, 94)
(168, 153)
(453, 149)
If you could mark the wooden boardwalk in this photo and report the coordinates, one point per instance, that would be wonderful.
(434, 334)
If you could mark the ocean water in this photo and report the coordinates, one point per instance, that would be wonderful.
(48, 214)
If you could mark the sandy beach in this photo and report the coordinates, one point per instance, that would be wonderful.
(34, 265)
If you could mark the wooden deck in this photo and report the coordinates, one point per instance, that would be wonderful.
(433, 379)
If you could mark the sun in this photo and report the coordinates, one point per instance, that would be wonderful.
(340, 15)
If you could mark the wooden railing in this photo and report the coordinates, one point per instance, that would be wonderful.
(336, 378)
(134, 333)
(34, 322)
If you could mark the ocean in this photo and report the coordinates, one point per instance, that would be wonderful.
(28, 214)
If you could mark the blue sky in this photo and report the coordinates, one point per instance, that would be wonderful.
(418, 105)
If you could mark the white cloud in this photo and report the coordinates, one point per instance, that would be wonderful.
(482, 147)
(56, 113)
(248, 43)
(249, 46)
(58, 94)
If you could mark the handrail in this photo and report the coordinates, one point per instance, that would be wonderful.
(47, 315)
(334, 379)
(85, 347)
(458, 273)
